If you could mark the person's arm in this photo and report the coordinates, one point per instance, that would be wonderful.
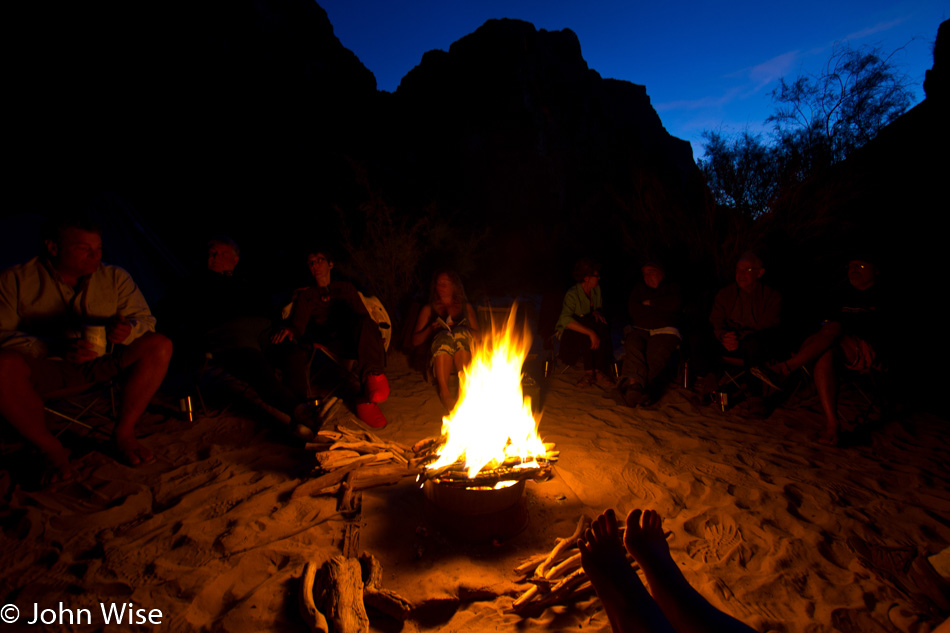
(133, 317)
(352, 297)
(719, 317)
(295, 324)
(11, 337)
(568, 309)
(597, 304)
(669, 301)
(472, 317)
(568, 322)
(423, 329)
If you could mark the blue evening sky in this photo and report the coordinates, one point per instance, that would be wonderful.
(705, 65)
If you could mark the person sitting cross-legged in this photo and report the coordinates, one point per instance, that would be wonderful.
(45, 305)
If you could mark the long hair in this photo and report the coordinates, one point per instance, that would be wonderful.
(458, 291)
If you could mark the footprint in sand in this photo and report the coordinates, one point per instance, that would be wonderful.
(720, 537)
(640, 481)
(745, 608)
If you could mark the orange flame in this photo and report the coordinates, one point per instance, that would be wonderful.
(492, 421)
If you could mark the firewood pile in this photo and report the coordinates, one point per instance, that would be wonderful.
(555, 578)
(359, 456)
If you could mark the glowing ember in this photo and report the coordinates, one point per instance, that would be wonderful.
(492, 424)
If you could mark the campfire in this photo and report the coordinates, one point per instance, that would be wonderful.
(490, 439)
(476, 469)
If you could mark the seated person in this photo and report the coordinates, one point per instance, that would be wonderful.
(332, 314)
(450, 321)
(853, 337)
(226, 315)
(745, 320)
(582, 327)
(654, 306)
(45, 306)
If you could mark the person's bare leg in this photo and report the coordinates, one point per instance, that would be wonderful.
(628, 605)
(811, 350)
(147, 360)
(462, 359)
(686, 609)
(441, 365)
(23, 407)
(827, 387)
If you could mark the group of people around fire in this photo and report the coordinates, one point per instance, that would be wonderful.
(744, 330)
(48, 304)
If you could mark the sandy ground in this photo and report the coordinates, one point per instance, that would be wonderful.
(770, 527)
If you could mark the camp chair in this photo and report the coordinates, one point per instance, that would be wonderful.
(733, 370)
(95, 403)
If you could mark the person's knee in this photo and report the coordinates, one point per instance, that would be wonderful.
(13, 367)
(155, 347)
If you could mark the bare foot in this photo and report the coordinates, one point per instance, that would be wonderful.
(602, 555)
(828, 439)
(683, 606)
(61, 469)
(626, 601)
(445, 397)
(645, 541)
(134, 451)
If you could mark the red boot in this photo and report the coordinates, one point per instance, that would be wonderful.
(377, 387)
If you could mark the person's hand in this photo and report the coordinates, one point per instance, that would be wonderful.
(730, 341)
(283, 334)
(599, 317)
(80, 352)
(118, 330)
(594, 341)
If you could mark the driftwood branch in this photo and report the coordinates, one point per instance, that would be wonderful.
(308, 609)
(383, 600)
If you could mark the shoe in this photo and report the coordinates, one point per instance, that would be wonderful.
(306, 415)
(757, 408)
(635, 396)
(603, 380)
(767, 376)
(377, 387)
(706, 385)
(370, 413)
